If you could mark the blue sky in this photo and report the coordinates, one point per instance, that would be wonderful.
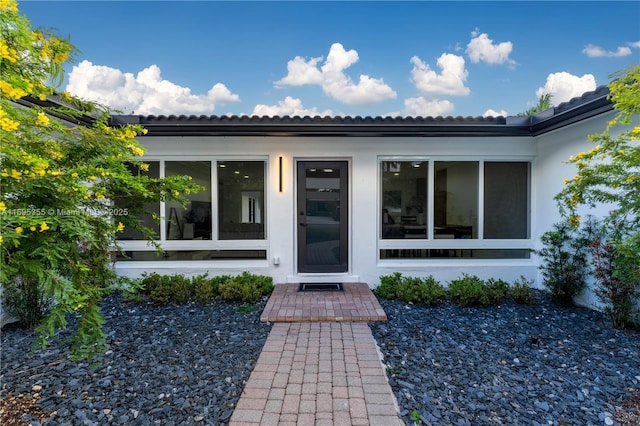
(352, 58)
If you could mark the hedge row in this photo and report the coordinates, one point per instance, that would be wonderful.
(469, 290)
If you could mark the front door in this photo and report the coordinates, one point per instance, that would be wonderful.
(322, 216)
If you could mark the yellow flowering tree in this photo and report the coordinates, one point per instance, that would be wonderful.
(63, 170)
(609, 174)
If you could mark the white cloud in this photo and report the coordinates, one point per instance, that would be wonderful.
(482, 48)
(492, 113)
(564, 86)
(449, 82)
(301, 72)
(598, 52)
(333, 80)
(421, 107)
(635, 44)
(289, 106)
(146, 94)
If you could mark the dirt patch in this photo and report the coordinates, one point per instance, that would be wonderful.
(628, 414)
(14, 408)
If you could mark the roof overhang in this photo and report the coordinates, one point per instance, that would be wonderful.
(59, 109)
(321, 126)
(589, 105)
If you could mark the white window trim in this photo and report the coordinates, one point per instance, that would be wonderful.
(213, 244)
(463, 244)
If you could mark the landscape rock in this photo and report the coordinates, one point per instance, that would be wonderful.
(508, 364)
(163, 366)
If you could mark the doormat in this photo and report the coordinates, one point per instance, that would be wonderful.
(320, 287)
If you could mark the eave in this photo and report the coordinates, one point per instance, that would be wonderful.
(589, 105)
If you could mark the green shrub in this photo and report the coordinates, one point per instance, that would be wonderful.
(178, 289)
(564, 256)
(497, 290)
(161, 290)
(388, 287)
(522, 293)
(425, 291)
(247, 288)
(132, 289)
(262, 283)
(616, 267)
(233, 290)
(472, 291)
(149, 282)
(468, 291)
(205, 289)
(25, 301)
(181, 289)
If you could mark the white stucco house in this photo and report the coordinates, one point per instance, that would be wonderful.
(347, 199)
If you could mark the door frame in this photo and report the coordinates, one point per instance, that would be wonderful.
(345, 228)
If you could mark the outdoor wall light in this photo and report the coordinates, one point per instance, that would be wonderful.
(280, 175)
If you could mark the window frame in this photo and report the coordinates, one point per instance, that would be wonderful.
(453, 244)
(214, 243)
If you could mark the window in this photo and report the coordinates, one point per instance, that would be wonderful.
(193, 255)
(506, 200)
(240, 200)
(231, 206)
(456, 199)
(404, 199)
(193, 222)
(454, 209)
(153, 208)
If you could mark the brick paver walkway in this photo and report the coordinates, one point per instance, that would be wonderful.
(318, 371)
(355, 303)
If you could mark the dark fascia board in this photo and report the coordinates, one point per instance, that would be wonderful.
(321, 126)
(588, 105)
(51, 103)
(574, 111)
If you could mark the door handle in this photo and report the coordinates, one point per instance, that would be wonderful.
(303, 223)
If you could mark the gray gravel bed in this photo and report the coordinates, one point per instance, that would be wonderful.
(508, 364)
(169, 365)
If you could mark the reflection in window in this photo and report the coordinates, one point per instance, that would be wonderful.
(456, 199)
(194, 222)
(455, 254)
(404, 199)
(145, 219)
(193, 255)
(241, 214)
(506, 200)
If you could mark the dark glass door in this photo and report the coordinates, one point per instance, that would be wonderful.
(322, 216)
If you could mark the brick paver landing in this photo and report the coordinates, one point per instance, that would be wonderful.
(318, 373)
(355, 303)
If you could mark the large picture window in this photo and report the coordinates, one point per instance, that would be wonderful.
(461, 209)
(231, 206)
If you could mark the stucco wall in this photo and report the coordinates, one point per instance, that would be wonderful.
(554, 149)
(363, 153)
